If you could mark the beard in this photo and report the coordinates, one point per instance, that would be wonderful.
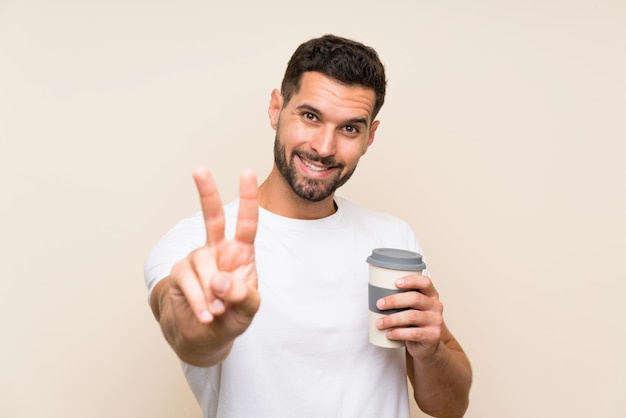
(313, 190)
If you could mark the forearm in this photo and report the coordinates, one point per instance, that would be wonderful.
(441, 383)
(187, 348)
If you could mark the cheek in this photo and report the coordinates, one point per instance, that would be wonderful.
(297, 136)
(353, 151)
(290, 130)
(350, 158)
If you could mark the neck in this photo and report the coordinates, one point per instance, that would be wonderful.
(276, 196)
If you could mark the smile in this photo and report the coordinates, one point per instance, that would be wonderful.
(314, 166)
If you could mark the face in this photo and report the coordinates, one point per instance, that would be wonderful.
(321, 134)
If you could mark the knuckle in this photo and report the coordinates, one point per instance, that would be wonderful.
(438, 306)
(390, 301)
(413, 315)
(438, 322)
(392, 320)
(414, 333)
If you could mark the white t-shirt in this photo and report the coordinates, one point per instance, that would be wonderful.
(306, 353)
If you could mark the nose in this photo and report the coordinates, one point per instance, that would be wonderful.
(324, 142)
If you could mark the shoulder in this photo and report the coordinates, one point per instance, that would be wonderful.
(382, 228)
(359, 213)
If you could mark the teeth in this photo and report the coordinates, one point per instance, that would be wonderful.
(313, 167)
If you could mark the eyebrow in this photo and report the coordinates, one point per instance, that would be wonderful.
(312, 109)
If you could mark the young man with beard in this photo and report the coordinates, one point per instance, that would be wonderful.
(293, 244)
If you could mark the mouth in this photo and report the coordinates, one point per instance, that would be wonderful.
(315, 167)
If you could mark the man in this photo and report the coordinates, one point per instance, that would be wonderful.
(303, 351)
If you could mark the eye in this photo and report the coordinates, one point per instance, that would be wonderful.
(351, 129)
(309, 116)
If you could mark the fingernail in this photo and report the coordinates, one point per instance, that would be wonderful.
(217, 306)
(221, 284)
(205, 316)
(379, 322)
(380, 303)
(400, 282)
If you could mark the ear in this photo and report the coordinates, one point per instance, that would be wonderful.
(276, 105)
(372, 134)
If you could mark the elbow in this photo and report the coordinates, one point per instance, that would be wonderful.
(450, 411)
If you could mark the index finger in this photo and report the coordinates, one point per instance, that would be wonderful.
(248, 216)
(419, 282)
(211, 203)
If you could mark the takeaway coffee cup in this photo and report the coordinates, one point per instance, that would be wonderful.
(386, 265)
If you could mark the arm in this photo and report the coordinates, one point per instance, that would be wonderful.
(211, 295)
(437, 367)
(442, 382)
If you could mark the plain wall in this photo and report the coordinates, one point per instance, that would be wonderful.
(501, 142)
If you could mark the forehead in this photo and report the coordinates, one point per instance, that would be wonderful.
(334, 98)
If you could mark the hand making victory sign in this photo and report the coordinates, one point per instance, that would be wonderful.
(213, 294)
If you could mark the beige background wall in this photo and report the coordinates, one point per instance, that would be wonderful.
(502, 142)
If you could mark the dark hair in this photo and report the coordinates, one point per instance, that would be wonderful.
(344, 60)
